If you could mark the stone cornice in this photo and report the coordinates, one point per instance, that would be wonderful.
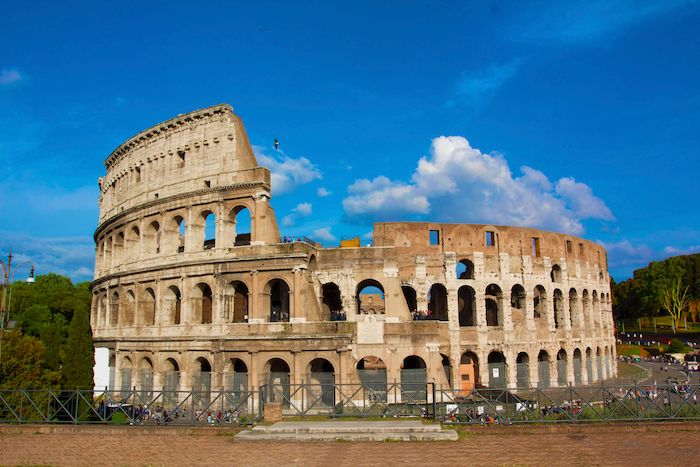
(164, 128)
(155, 202)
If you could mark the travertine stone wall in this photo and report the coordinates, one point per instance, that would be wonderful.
(507, 305)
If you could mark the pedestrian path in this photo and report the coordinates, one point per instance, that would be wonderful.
(399, 430)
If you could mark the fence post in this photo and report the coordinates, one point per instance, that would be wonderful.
(434, 403)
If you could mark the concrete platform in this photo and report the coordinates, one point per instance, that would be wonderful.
(399, 430)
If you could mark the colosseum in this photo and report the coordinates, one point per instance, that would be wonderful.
(196, 289)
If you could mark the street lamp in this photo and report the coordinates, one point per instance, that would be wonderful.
(9, 275)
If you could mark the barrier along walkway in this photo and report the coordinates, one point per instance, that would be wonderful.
(572, 404)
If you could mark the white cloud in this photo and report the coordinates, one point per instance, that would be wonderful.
(70, 256)
(302, 210)
(625, 254)
(324, 235)
(476, 85)
(675, 251)
(458, 183)
(287, 173)
(322, 192)
(9, 76)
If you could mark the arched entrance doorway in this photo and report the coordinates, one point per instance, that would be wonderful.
(468, 372)
(497, 370)
(414, 376)
(321, 380)
(372, 373)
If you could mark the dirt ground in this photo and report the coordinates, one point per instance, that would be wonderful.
(96, 446)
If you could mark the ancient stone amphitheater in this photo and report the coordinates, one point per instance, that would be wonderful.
(195, 288)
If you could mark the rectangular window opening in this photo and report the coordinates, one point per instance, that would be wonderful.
(535, 247)
(580, 249)
(490, 238)
(434, 237)
(569, 246)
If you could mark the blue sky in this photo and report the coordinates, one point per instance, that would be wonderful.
(580, 117)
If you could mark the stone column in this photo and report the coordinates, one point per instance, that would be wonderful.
(480, 310)
(254, 297)
(296, 312)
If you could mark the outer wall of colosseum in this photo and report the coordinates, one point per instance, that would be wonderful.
(194, 288)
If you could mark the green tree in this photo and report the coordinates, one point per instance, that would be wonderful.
(22, 365)
(79, 352)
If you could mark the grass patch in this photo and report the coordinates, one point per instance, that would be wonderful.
(629, 371)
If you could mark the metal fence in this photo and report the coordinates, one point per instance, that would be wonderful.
(238, 406)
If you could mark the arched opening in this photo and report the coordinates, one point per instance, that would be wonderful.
(409, 294)
(543, 370)
(437, 302)
(558, 309)
(562, 377)
(114, 308)
(370, 297)
(574, 309)
(278, 379)
(372, 373)
(202, 303)
(555, 274)
(596, 310)
(242, 231)
(236, 379)
(118, 249)
(112, 370)
(126, 378)
(133, 243)
(175, 231)
(128, 309)
(414, 377)
(107, 259)
(237, 302)
(278, 291)
(517, 303)
(151, 239)
(171, 381)
(578, 376)
(465, 269)
(146, 378)
(608, 371)
(447, 368)
(539, 302)
(332, 303)
(494, 305)
(497, 370)
(589, 365)
(468, 373)
(209, 220)
(148, 307)
(173, 305)
(466, 303)
(201, 382)
(522, 363)
(321, 378)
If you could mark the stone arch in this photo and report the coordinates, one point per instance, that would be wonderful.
(370, 296)
(574, 309)
(173, 305)
(148, 307)
(277, 293)
(208, 219)
(466, 304)
(543, 374)
(201, 381)
(555, 274)
(437, 302)
(586, 305)
(411, 297)
(465, 269)
(539, 302)
(278, 377)
(518, 300)
(236, 302)
(175, 233)
(558, 306)
(126, 375)
(321, 378)
(562, 361)
(373, 376)
(118, 253)
(599, 364)
(493, 298)
(151, 238)
(332, 302)
(202, 303)
(447, 368)
(468, 372)
(497, 370)
(133, 243)
(578, 367)
(242, 225)
(146, 378)
(114, 308)
(522, 371)
(171, 380)
(128, 309)
(589, 365)
(236, 379)
(595, 309)
(414, 377)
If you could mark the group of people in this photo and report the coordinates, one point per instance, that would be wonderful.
(419, 315)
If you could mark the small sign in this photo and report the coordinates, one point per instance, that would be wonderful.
(496, 372)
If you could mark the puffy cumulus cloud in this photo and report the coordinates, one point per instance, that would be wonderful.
(302, 210)
(382, 199)
(70, 256)
(9, 76)
(324, 235)
(322, 192)
(459, 183)
(287, 173)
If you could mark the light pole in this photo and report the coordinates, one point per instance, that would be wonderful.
(9, 275)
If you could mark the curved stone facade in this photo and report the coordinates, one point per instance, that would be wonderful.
(189, 295)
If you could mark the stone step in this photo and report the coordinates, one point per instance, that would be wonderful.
(400, 430)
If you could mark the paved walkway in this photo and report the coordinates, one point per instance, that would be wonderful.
(656, 445)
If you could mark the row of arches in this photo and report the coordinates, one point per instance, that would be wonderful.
(174, 235)
(464, 270)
